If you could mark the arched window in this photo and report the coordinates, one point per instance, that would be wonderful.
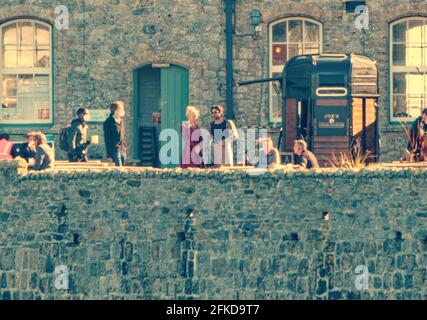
(408, 68)
(25, 72)
(290, 37)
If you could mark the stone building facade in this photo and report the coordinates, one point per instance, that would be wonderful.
(97, 58)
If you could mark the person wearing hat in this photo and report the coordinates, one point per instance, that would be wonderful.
(77, 138)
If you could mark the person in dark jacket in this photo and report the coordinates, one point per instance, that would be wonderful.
(418, 129)
(304, 158)
(45, 157)
(77, 138)
(115, 134)
(26, 150)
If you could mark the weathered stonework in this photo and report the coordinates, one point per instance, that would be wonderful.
(108, 40)
(213, 235)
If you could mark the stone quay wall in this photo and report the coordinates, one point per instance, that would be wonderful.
(213, 235)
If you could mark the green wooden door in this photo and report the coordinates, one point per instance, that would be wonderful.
(174, 100)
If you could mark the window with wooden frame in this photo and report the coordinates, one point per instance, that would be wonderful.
(290, 37)
(25, 72)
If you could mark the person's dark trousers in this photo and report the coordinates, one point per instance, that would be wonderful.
(119, 158)
(79, 157)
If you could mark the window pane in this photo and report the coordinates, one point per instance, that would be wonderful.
(9, 56)
(43, 58)
(26, 108)
(9, 84)
(43, 108)
(414, 56)
(9, 34)
(399, 32)
(399, 55)
(275, 110)
(26, 57)
(279, 54)
(26, 33)
(415, 84)
(277, 74)
(311, 32)
(295, 50)
(415, 106)
(399, 83)
(415, 31)
(399, 107)
(41, 86)
(311, 48)
(279, 32)
(295, 31)
(10, 103)
(25, 85)
(42, 35)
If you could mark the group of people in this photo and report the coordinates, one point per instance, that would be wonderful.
(39, 155)
(223, 133)
(75, 142)
(35, 150)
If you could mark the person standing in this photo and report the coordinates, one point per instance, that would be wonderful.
(77, 138)
(304, 158)
(115, 134)
(192, 156)
(224, 133)
(418, 130)
(5, 147)
(45, 157)
(157, 127)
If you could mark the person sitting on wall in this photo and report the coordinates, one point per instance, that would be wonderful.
(5, 147)
(304, 158)
(269, 156)
(418, 130)
(45, 157)
(115, 134)
(26, 150)
(77, 138)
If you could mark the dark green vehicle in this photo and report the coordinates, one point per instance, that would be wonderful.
(330, 100)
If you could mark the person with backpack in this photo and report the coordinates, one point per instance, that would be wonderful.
(77, 137)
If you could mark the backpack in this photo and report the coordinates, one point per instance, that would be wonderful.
(63, 138)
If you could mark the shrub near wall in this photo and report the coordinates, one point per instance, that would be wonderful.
(213, 235)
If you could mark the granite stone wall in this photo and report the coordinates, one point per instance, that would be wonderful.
(109, 39)
(213, 235)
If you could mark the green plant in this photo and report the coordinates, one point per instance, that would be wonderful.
(356, 159)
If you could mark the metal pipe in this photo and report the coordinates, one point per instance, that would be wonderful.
(247, 83)
(229, 11)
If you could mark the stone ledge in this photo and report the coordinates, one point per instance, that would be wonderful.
(17, 169)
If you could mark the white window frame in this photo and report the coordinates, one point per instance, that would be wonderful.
(402, 69)
(279, 69)
(29, 71)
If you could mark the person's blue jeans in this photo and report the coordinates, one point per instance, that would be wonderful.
(119, 158)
